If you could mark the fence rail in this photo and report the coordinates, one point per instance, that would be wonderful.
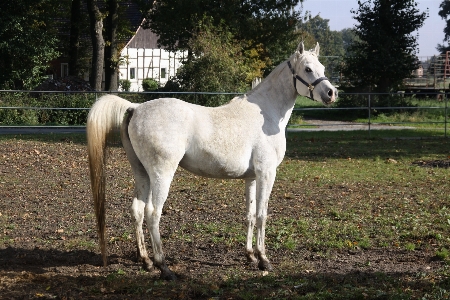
(368, 108)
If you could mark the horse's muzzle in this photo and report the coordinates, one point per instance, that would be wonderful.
(332, 96)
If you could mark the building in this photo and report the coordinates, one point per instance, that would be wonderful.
(142, 58)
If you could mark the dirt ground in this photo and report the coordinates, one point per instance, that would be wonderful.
(48, 242)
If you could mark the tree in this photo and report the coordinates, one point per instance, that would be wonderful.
(348, 38)
(111, 50)
(316, 30)
(74, 38)
(444, 13)
(108, 25)
(98, 44)
(384, 53)
(27, 41)
(217, 65)
(267, 25)
(330, 41)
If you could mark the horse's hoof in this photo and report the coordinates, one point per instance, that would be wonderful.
(147, 264)
(265, 265)
(251, 259)
(168, 275)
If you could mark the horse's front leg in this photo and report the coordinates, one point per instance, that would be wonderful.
(250, 197)
(264, 184)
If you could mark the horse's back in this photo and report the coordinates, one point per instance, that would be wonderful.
(214, 142)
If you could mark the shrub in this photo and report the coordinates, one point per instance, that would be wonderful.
(217, 65)
(149, 84)
(18, 117)
(125, 85)
(45, 116)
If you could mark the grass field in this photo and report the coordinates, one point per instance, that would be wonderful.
(352, 217)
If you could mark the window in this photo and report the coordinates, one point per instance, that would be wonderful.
(163, 72)
(132, 73)
(64, 70)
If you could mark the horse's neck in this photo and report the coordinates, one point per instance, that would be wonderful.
(276, 94)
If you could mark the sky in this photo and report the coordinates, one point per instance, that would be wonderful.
(338, 12)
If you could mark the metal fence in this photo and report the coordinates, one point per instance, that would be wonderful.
(368, 109)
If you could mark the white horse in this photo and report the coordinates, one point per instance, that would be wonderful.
(242, 139)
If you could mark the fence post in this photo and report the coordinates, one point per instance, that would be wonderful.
(368, 111)
(446, 114)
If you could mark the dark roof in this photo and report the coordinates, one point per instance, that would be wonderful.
(144, 38)
(133, 15)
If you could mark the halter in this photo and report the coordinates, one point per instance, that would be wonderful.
(310, 86)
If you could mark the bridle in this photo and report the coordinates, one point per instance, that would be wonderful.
(310, 86)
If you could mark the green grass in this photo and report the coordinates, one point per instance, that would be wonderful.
(380, 185)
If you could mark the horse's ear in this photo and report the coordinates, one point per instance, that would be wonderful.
(300, 47)
(317, 49)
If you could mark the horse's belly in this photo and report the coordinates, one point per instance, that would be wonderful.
(218, 167)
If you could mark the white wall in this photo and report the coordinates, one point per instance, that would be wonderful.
(149, 63)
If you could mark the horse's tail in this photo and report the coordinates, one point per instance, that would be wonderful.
(104, 118)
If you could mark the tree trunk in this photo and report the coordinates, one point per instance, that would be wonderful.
(74, 42)
(111, 53)
(98, 44)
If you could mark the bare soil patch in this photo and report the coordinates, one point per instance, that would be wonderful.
(438, 163)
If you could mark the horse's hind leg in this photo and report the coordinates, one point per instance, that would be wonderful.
(142, 195)
(250, 197)
(141, 198)
(160, 184)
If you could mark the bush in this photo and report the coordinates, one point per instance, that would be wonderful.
(65, 117)
(149, 84)
(45, 116)
(125, 85)
(17, 116)
(217, 65)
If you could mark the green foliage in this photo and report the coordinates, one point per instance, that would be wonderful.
(348, 38)
(270, 24)
(27, 41)
(442, 254)
(331, 42)
(216, 66)
(18, 117)
(444, 13)
(149, 84)
(316, 30)
(410, 247)
(125, 84)
(384, 53)
(46, 116)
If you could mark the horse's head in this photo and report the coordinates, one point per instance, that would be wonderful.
(307, 69)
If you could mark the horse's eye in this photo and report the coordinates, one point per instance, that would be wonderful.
(308, 70)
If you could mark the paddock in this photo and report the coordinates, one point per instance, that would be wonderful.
(348, 216)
